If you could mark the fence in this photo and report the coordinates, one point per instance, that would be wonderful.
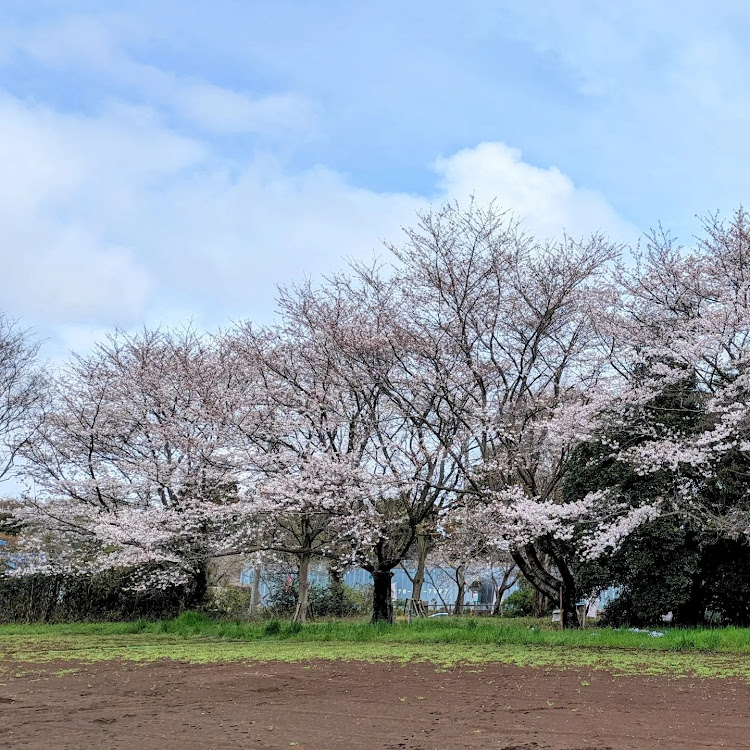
(428, 609)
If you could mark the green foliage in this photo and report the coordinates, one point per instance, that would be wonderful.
(273, 627)
(520, 603)
(724, 582)
(339, 600)
(105, 596)
(231, 602)
(656, 568)
(282, 600)
(663, 566)
(293, 628)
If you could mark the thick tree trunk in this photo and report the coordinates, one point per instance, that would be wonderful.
(692, 612)
(569, 594)
(255, 591)
(461, 583)
(300, 611)
(545, 583)
(569, 609)
(382, 601)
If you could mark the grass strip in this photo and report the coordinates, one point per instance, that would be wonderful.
(196, 639)
(197, 650)
(448, 630)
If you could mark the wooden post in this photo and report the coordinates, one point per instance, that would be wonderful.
(562, 612)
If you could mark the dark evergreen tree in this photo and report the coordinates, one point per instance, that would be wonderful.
(658, 567)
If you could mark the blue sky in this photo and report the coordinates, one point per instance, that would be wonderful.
(170, 160)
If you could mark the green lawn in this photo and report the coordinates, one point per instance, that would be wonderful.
(448, 630)
(444, 642)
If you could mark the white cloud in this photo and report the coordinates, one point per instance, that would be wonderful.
(97, 45)
(640, 49)
(119, 219)
(58, 259)
(546, 200)
(222, 111)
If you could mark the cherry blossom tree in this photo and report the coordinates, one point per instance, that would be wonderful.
(22, 390)
(435, 404)
(684, 332)
(310, 498)
(394, 475)
(504, 348)
(466, 548)
(131, 466)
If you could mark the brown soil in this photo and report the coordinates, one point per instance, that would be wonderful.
(339, 706)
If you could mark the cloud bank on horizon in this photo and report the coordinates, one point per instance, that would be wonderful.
(170, 162)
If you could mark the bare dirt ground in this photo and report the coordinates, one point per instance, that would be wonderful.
(343, 705)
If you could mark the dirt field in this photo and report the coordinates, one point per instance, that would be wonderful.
(344, 705)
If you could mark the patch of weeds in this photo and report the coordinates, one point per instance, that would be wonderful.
(294, 628)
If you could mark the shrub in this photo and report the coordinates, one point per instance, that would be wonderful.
(282, 599)
(101, 597)
(617, 613)
(336, 600)
(229, 602)
(520, 603)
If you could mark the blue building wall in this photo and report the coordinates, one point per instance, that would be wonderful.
(438, 587)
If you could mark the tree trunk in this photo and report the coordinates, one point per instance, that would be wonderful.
(255, 591)
(461, 583)
(418, 582)
(546, 584)
(52, 600)
(199, 590)
(382, 601)
(338, 597)
(569, 594)
(541, 604)
(570, 611)
(500, 588)
(300, 611)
